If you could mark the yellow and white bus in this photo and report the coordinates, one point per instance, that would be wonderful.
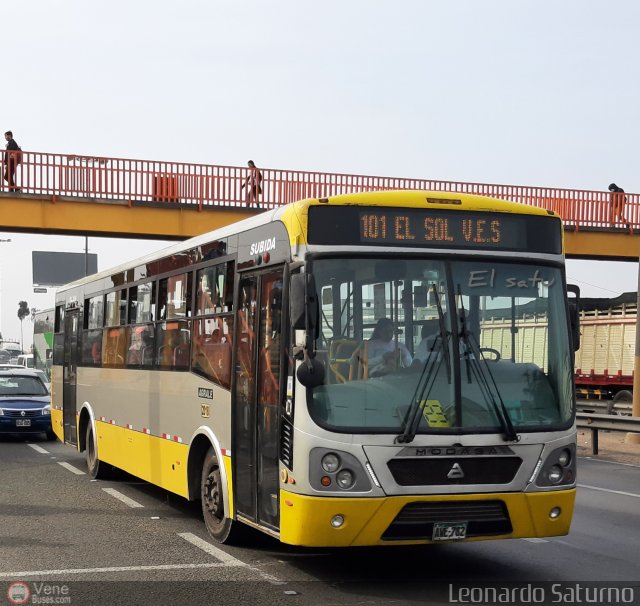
(327, 372)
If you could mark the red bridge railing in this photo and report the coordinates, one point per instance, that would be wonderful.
(204, 186)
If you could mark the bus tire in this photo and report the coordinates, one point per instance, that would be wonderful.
(97, 469)
(221, 528)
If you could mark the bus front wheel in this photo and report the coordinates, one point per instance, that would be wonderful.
(97, 469)
(220, 527)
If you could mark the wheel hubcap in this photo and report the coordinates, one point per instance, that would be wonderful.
(212, 498)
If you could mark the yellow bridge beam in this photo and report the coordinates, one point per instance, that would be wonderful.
(36, 214)
(614, 245)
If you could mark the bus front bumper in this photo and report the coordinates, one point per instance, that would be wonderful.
(307, 520)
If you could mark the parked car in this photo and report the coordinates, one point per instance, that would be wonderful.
(25, 404)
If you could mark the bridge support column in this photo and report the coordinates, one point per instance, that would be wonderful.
(634, 438)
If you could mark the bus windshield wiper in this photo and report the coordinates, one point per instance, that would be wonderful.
(427, 378)
(482, 375)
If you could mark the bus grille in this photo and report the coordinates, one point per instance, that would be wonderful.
(437, 471)
(416, 520)
(286, 443)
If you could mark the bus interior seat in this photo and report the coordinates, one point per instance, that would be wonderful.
(181, 356)
(340, 352)
(359, 363)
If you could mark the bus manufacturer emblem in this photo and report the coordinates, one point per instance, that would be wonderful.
(203, 392)
(455, 473)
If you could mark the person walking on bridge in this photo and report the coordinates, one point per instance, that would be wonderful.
(12, 157)
(618, 200)
(253, 183)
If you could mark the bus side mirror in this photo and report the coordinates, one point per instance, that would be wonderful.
(303, 303)
(304, 314)
(297, 301)
(574, 315)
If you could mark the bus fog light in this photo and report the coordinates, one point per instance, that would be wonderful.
(345, 478)
(565, 458)
(554, 474)
(337, 521)
(330, 462)
(555, 513)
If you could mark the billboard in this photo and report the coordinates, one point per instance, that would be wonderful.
(57, 268)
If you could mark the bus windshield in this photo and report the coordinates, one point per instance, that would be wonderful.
(441, 346)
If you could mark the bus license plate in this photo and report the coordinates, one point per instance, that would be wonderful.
(23, 423)
(449, 531)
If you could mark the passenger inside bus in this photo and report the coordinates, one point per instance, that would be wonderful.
(382, 354)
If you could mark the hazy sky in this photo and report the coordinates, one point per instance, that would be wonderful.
(528, 92)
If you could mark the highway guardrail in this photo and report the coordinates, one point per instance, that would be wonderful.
(596, 422)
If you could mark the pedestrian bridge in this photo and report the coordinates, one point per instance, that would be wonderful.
(87, 195)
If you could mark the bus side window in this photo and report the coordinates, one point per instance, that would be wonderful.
(211, 354)
(173, 345)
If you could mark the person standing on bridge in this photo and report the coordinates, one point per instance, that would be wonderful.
(253, 183)
(12, 157)
(618, 200)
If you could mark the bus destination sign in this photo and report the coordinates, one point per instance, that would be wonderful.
(342, 225)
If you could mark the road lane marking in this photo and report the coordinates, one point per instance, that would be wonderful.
(626, 494)
(610, 462)
(71, 468)
(225, 557)
(536, 540)
(217, 553)
(37, 573)
(121, 497)
(38, 449)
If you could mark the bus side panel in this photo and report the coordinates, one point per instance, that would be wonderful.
(156, 460)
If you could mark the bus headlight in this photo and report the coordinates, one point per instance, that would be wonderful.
(345, 479)
(333, 470)
(559, 468)
(564, 458)
(330, 462)
(554, 474)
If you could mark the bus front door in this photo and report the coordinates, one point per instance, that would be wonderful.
(70, 370)
(257, 397)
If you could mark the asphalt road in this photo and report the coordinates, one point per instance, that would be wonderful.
(128, 542)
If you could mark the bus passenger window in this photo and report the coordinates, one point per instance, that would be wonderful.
(114, 347)
(174, 300)
(141, 303)
(140, 351)
(173, 346)
(211, 355)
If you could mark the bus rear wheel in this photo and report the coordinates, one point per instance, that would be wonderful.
(221, 528)
(97, 469)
